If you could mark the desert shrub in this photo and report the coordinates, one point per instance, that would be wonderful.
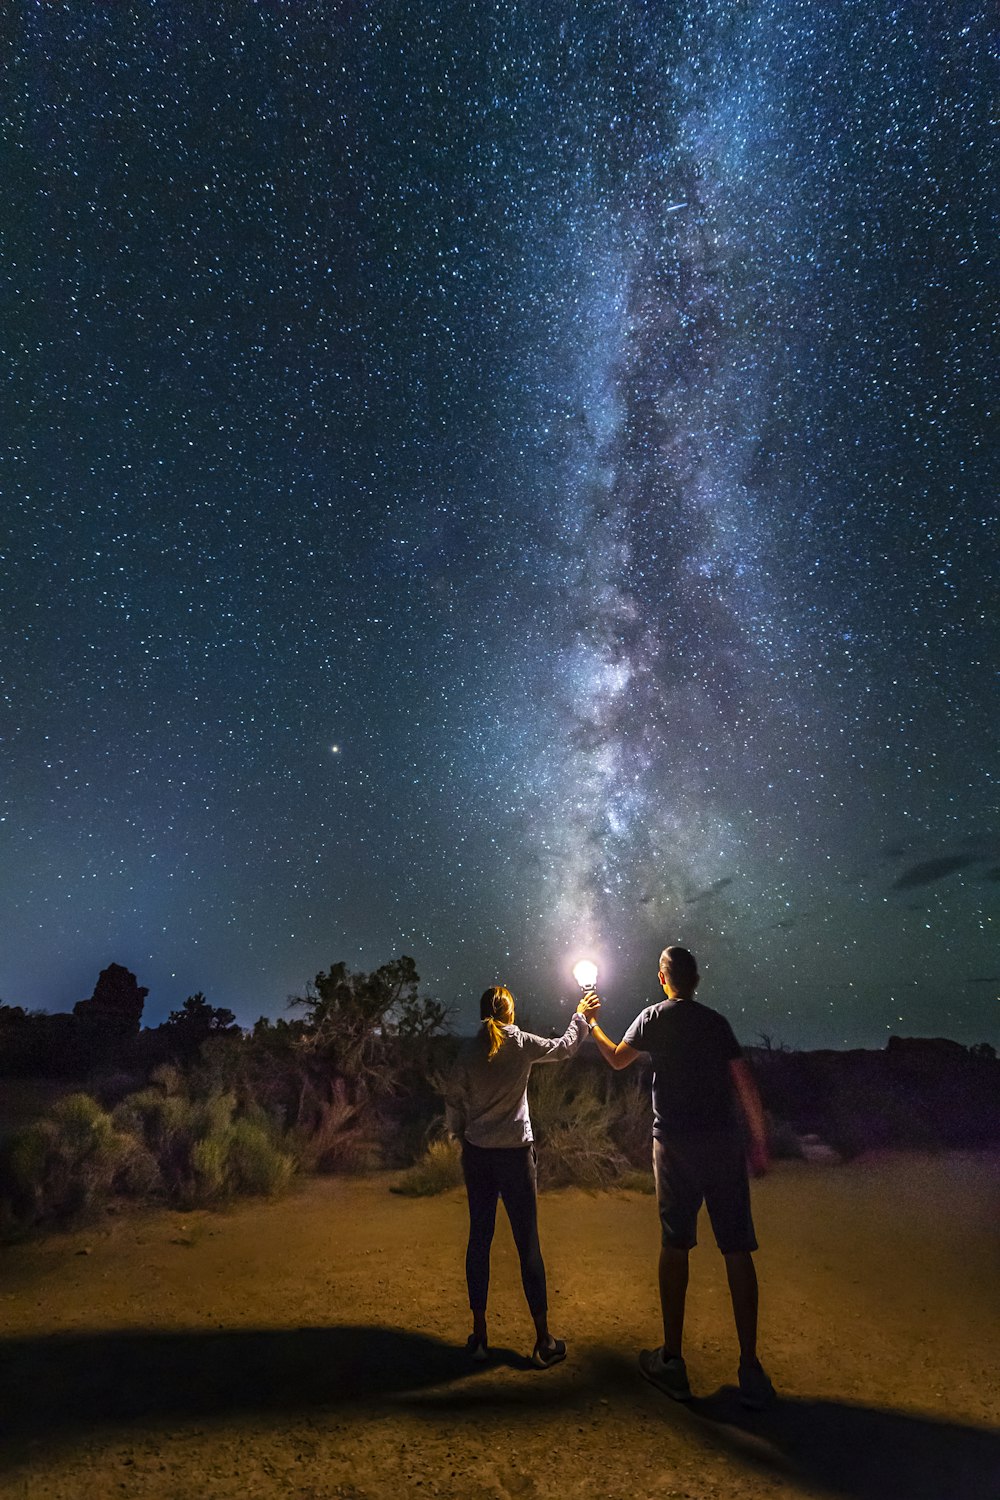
(332, 1135)
(169, 1125)
(402, 1133)
(30, 1175)
(635, 1180)
(439, 1169)
(237, 1157)
(68, 1165)
(255, 1163)
(222, 1065)
(169, 1079)
(354, 1153)
(209, 1168)
(572, 1122)
(211, 1115)
(631, 1113)
(205, 1149)
(406, 1123)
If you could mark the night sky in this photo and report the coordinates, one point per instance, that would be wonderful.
(502, 481)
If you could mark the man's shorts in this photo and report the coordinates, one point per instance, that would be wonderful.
(706, 1167)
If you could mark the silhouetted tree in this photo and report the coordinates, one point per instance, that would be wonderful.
(369, 1028)
(186, 1029)
(16, 1036)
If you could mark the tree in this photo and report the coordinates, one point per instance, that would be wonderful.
(356, 1022)
(186, 1029)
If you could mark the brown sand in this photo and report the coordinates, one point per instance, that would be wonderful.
(311, 1348)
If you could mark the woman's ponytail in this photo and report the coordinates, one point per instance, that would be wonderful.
(496, 1009)
(495, 1036)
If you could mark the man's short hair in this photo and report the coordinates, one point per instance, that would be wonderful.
(679, 966)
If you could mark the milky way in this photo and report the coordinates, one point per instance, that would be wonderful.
(494, 481)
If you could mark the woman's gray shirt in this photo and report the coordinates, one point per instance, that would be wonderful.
(487, 1100)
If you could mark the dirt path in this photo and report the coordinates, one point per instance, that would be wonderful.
(311, 1348)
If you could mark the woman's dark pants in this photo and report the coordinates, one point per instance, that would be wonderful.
(507, 1173)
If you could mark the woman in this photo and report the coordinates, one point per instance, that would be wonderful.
(488, 1111)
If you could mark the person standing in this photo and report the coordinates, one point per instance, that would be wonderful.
(487, 1110)
(700, 1082)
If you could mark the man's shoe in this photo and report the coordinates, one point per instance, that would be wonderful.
(668, 1375)
(756, 1390)
(544, 1355)
(477, 1349)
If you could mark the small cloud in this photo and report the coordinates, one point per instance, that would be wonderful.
(929, 870)
(712, 890)
(985, 979)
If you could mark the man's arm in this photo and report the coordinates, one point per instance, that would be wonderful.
(617, 1055)
(749, 1097)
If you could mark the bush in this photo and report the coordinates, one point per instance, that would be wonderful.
(205, 1150)
(329, 1136)
(439, 1169)
(209, 1164)
(68, 1165)
(635, 1180)
(158, 1142)
(169, 1126)
(631, 1106)
(255, 1163)
(572, 1120)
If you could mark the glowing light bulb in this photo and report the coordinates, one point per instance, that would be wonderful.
(585, 973)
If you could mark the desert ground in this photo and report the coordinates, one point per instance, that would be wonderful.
(312, 1347)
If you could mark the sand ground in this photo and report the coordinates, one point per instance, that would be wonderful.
(311, 1347)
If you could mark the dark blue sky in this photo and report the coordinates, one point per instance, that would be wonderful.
(494, 481)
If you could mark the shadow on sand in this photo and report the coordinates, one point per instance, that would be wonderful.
(60, 1384)
(858, 1452)
(57, 1387)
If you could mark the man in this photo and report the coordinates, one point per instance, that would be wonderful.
(699, 1076)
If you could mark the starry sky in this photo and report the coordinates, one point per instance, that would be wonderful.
(497, 482)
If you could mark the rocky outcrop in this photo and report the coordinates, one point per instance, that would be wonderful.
(116, 1004)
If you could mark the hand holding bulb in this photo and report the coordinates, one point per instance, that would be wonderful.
(585, 974)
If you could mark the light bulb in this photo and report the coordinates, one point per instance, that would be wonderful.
(585, 973)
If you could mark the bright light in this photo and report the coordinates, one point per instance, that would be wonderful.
(585, 973)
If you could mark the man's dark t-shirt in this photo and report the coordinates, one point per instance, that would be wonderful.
(691, 1047)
